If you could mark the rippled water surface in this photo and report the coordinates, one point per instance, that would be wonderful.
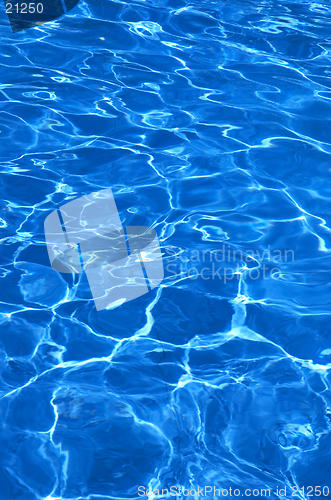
(210, 122)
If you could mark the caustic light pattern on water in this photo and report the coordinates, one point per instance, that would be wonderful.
(210, 123)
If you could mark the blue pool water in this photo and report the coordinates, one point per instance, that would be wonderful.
(210, 122)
